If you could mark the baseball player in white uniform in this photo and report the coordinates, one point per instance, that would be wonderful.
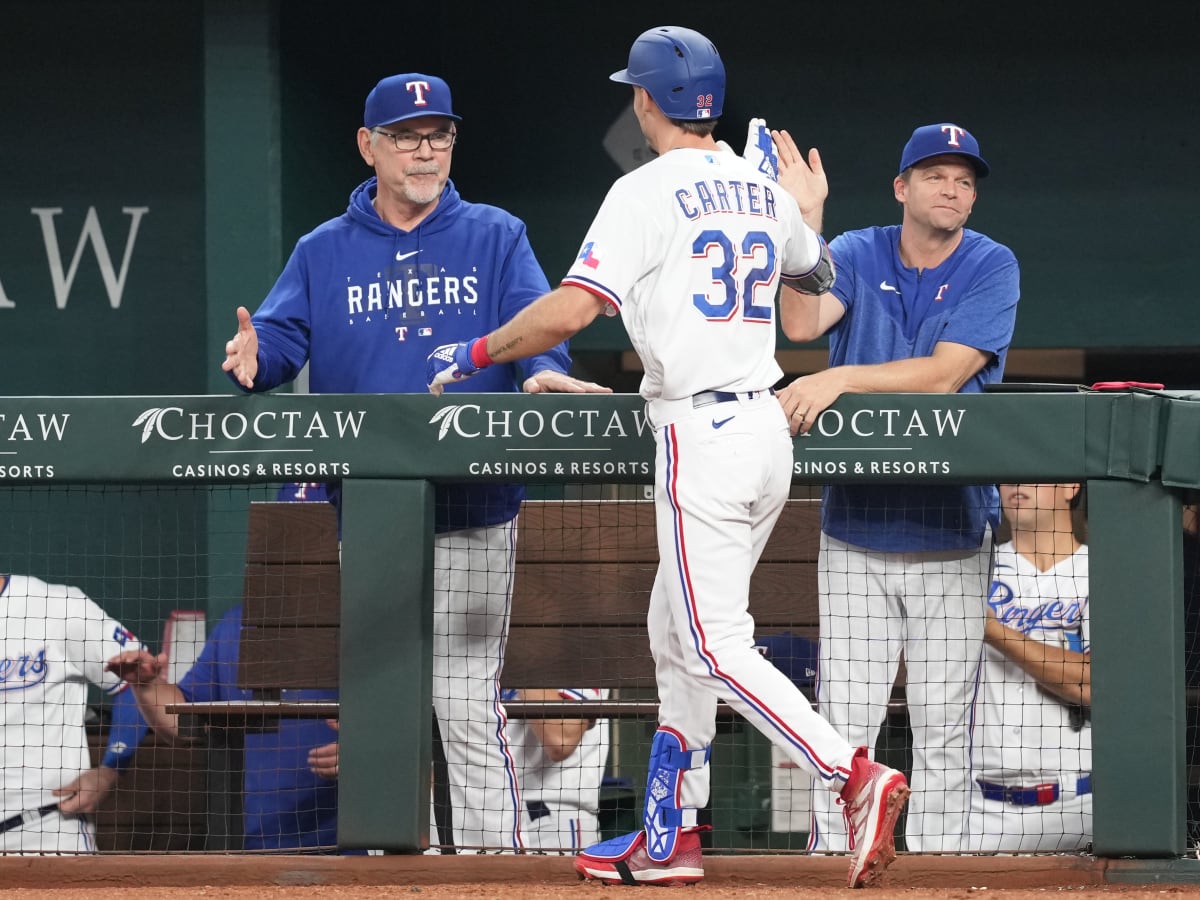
(689, 249)
(560, 766)
(1032, 753)
(55, 641)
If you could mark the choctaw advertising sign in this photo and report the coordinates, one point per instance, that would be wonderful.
(543, 438)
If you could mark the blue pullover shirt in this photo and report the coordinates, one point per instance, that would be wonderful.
(897, 312)
(364, 303)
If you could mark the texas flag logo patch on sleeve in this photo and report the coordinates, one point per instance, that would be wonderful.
(587, 257)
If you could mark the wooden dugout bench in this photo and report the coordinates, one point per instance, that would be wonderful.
(583, 578)
(584, 573)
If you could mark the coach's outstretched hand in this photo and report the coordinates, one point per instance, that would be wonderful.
(454, 362)
(241, 351)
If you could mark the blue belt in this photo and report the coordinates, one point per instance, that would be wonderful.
(1038, 795)
(708, 398)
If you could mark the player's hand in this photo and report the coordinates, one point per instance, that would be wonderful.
(241, 351)
(803, 178)
(138, 667)
(450, 363)
(84, 794)
(323, 760)
(549, 381)
(808, 396)
(760, 149)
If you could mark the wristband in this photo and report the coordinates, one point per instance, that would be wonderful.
(479, 353)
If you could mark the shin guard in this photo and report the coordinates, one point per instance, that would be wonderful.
(663, 820)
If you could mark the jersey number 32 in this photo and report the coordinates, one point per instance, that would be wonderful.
(734, 291)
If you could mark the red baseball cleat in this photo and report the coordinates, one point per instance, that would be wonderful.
(874, 797)
(623, 860)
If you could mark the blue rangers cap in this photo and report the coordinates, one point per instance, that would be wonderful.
(939, 140)
(401, 97)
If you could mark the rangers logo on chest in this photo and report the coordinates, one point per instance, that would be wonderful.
(20, 672)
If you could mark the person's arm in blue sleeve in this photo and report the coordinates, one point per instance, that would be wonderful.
(271, 347)
(126, 732)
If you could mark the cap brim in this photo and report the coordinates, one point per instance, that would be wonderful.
(978, 163)
(423, 114)
(622, 77)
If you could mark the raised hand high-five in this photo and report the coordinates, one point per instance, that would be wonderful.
(803, 178)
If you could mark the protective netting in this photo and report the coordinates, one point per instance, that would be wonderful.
(544, 694)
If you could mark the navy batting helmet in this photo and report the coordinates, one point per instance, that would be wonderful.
(680, 69)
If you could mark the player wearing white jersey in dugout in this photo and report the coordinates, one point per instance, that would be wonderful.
(1032, 735)
(689, 250)
(560, 766)
(54, 640)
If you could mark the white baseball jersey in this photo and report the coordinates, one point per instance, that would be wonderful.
(1024, 736)
(689, 249)
(1022, 733)
(709, 227)
(55, 640)
(561, 799)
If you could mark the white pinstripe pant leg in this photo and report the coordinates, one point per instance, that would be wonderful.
(473, 576)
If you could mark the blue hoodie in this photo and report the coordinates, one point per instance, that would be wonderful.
(364, 303)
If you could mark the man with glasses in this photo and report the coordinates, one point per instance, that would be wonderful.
(364, 299)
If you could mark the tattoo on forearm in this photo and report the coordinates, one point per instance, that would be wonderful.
(511, 345)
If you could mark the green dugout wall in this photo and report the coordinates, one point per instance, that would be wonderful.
(198, 139)
(1136, 450)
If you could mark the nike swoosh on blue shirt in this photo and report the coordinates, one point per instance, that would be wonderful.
(717, 424)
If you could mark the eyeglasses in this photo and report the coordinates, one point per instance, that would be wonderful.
(409, 141)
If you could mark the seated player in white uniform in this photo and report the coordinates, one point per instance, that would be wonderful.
(55, 642)
(1032, 754)
(560, 765)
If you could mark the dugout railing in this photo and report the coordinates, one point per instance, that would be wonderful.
(1138, 450)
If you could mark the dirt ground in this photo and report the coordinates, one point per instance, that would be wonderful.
(577, 892)
(247, 877)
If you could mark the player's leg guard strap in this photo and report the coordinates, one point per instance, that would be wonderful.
(663, 819)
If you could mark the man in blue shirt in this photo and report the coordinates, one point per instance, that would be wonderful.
(924, 306)
(290, 795)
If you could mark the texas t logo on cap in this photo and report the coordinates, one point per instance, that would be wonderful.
(408, 96)
(954, 131)
(938, 140)
(419, 88)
